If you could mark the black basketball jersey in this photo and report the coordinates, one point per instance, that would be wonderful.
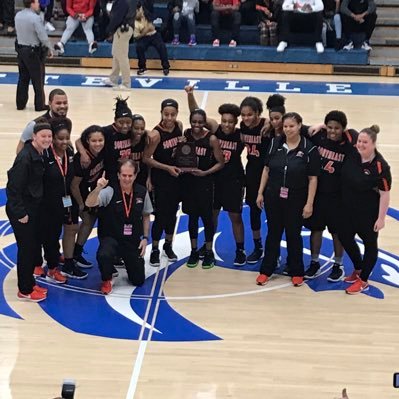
(232, 148)
(136, 155)
(203, 149)
(254, 143)
(332, 154)
(164, 152)
(117, 146)
(91, 174)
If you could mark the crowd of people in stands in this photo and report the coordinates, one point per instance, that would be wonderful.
(343, 24)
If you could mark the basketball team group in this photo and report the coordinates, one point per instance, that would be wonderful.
(131, 181)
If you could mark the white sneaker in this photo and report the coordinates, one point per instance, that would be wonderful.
(109, 83)
(49, 27)
(121, 88)
(232, 43)
(319, 47)
(59, 47)
(366, 46)
(281, 47)
(349, 46)
(93, 46)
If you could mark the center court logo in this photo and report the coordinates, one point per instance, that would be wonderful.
(128, 312)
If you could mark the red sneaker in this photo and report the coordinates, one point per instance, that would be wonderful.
(106, 287)
(39, 271)
(34, 296)
(55, 276)
(297, 281)
(357, 287)
(37, 288)
(262, 279)
(353, 277)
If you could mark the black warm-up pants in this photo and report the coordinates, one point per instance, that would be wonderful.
(362, 224)
(110, 248)
(284, 215)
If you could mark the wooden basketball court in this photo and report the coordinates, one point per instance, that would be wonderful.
(204, 334)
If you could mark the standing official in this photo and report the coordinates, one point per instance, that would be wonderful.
(32, 47)
(124, 224)
(120, 31)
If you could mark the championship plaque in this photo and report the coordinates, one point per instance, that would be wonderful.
(186, 157)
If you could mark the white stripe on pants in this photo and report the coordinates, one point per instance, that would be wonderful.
(120, 56)
(71, 26)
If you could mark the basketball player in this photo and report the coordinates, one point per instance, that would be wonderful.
(251, 135)
(333, 143)
(84, 181)
(158, 155)
(229, 182)
(197, 188)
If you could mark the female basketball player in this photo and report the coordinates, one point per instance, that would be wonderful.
(139, 138)
(158, 155)
(197, 188)
(84, 181)
(24, 195)
(275, 105)
(251, 135)
(366, 182)
(333, 143)
(287, 189)
(229, 182)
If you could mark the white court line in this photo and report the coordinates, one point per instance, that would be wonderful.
(204, 100)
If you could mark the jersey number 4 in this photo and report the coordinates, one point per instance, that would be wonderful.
(328, 167)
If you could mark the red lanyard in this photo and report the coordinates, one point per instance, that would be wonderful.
(63, 169)
(127, 208)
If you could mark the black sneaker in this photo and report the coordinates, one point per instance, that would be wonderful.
(209, 260)
(154, 258)
(193, 259)
(141, 71)
(313, 270)
(255, 256)
(167, 248)
(166, 71)
(82, 262)
(241, 258)
(287, 270)
(115, 272)
(73, 272)
(118, 262)
(337, 273)
(202, 251)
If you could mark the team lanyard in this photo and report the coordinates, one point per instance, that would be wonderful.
(127, 208)
(63, 168)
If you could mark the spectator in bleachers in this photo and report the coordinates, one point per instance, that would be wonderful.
(183, 11)
(358, 16)
(225, 10)
(248, 14)
(332, 22)
(46, 12)
(7, 12)
(80, 12)
(267, 13)
(145, 35)
(301, 16)
(204, 14)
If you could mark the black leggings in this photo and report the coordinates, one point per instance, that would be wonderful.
(166, 200)
(207, 221)
(363, 226)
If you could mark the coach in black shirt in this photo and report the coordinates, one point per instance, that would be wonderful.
(287, 189)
